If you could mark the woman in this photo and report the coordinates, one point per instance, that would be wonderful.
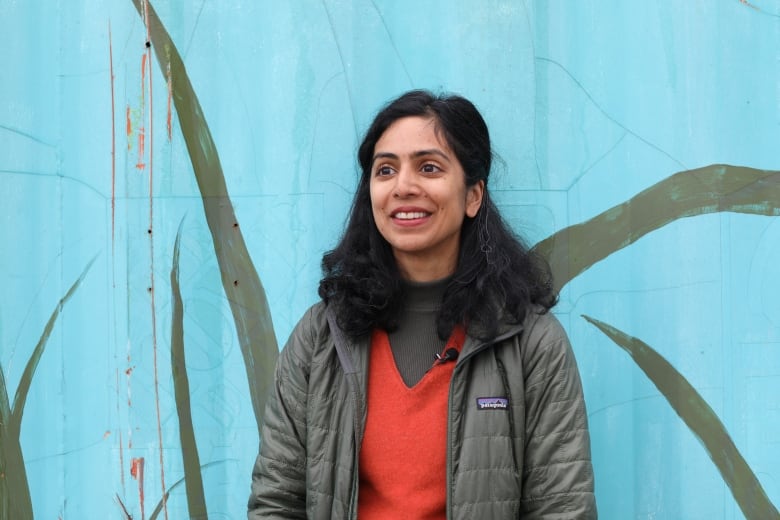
(430, 382)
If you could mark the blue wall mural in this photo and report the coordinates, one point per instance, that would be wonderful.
(171, 173)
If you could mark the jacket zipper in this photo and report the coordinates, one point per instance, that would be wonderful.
(458, 367)
(356, 474)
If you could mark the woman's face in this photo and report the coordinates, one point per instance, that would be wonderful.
(419, 198)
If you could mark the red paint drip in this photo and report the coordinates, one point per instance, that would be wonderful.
(148, 63)
(141, 131)
(128, 373)
(140, 164)
(129, 126)
(137, 472)
(143, 71)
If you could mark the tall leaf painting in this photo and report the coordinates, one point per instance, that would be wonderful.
(573, 250)
(240, 280)
(15, 498)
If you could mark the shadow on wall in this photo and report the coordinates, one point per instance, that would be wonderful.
(571, 251)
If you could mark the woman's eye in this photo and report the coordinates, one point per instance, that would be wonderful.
(430, 168)
(384, 170)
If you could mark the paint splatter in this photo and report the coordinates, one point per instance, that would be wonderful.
(129, 128)
(137, 472)
(140, 164)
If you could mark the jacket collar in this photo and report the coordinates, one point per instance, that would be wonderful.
(474, 342)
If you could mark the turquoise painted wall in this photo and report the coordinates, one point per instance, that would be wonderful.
(590, 103)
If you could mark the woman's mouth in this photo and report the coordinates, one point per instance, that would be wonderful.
(410, 215)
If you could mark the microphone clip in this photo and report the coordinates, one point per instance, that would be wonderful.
(450, 354)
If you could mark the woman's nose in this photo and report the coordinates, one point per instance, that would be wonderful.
(406, 183)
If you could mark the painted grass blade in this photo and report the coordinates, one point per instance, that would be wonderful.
(15, 499)
(702, 421)
(5, 414)
(711, 189)
(240, 281)
(29, 370)
(196, 498)
(5, 405)
(176, 484)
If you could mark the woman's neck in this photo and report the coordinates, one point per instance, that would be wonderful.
(417, 269)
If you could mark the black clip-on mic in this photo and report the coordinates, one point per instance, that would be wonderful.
(450, 354)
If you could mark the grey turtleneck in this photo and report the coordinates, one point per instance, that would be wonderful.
(415, 342)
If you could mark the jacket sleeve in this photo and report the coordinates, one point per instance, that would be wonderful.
(279, 474)
(558, 475)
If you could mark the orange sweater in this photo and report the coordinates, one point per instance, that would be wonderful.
(403, 455)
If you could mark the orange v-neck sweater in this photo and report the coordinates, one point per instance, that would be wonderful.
(403, 456)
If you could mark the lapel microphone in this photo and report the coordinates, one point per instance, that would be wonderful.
(450, 354)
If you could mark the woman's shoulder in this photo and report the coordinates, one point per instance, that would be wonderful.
(544, 338)
(308, 332)
(540, 320)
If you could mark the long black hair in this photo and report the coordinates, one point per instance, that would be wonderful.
(496, 277)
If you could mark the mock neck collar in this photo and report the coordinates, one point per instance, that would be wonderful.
(424, 296)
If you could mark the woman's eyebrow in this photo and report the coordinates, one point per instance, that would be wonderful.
(383, 155)
(417, 154)
(431, 151)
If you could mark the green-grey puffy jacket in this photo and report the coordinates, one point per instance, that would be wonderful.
(530, 460)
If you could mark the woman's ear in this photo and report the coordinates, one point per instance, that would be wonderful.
(474, 195)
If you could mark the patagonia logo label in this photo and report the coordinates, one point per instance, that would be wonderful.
(492, 403)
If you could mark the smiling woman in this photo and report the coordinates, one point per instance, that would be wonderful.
(419, 198)
(430, 309)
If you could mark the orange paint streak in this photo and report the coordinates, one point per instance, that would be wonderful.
(128, 373)
(148, 62)
(143, 71)
(140, 164)
(137, 472)
(129, 126)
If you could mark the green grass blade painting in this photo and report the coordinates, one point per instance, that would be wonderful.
(702, 421)
(159, 507)
(15, 498)
(5, 447)
(240, 280)
(196, 499)
(711, 189)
